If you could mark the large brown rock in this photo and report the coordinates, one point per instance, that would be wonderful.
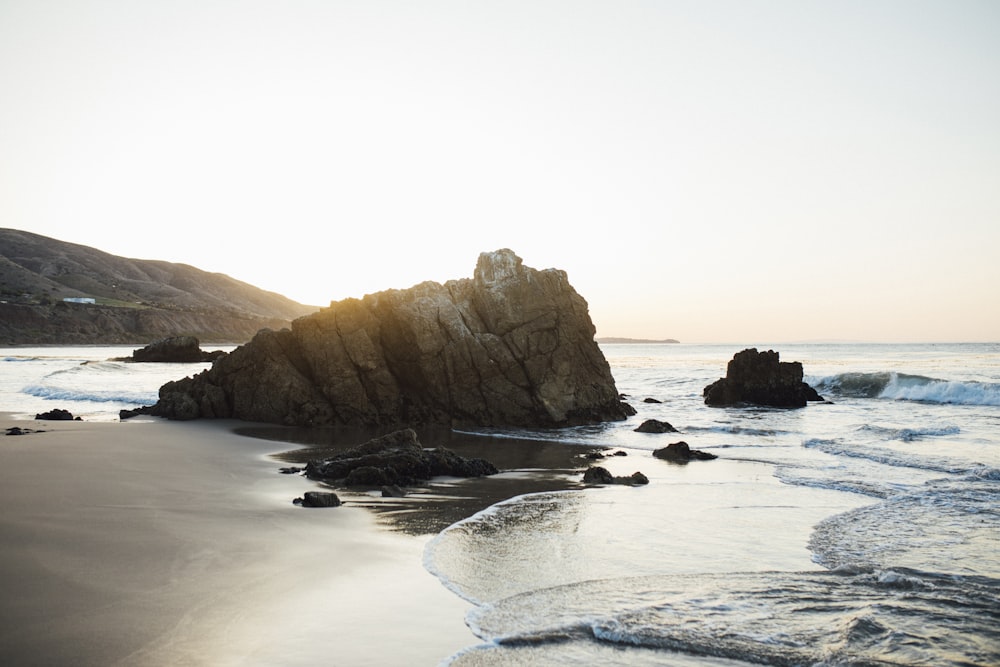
(510, 346)
(761, 379)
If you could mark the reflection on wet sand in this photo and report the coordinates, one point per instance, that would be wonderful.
(527, 466)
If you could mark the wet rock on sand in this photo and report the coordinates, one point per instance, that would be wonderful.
(395, 459)
(681, 452)
(58, 414)
(655, 426)
(318, 499)
(599, 475)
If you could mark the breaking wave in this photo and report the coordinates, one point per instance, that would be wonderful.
(105, 382)
(91, 395)
(900, 386)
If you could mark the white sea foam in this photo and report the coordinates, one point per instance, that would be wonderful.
(912, 561)
(91, 395)
(87, 381)
(901, 386)
(889, 457)
(906, 434)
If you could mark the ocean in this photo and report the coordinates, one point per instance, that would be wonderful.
(87, 380)
(860, 531)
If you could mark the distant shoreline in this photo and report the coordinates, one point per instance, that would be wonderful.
(635, 341)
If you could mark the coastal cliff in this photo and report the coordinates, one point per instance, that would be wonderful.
(511, 346)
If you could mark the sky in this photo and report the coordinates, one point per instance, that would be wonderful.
(710, 171)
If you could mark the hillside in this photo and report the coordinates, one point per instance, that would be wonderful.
(135, 300)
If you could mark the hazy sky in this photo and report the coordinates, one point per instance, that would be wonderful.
(709, 171)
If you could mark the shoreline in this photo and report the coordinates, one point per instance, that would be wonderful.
(526, 466)
(149, 542)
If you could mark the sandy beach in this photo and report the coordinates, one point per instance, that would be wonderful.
(165, 543)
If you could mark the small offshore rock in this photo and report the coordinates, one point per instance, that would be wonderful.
(681, 452)
(638, 478)
(16, 430)
(598, 475)
(655, 426)
(57, 414)
(651, 400)
(761, 378)
(619, 453)
(392, 491)
(318, 499)
(175, 350)
(290, 471)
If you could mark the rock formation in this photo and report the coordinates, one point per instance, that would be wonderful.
(760, 378)
(512, 346)
(392, 460)
(681, 452)
(175, 349)
(57, 414)
(599, 475)
(318, 499)
(655, 426)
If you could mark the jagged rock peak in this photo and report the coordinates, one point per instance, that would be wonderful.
(511, 346)
(498, 266)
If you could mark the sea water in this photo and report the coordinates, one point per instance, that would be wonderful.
(864, 530)
(92, 382)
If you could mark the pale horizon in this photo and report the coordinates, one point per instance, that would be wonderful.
(721, 172)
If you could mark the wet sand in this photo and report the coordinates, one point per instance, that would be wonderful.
(527, 466)
(165, 543)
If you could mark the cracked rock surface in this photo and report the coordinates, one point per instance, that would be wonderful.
(512, 346)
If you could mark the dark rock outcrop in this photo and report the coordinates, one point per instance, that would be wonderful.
(58, 414)
(175, 349)
(761, 379)
(594, 456)
(599, 475)
(681, 452)
(396, 459)
(318, 499)
(511, 346)
(655, 426)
